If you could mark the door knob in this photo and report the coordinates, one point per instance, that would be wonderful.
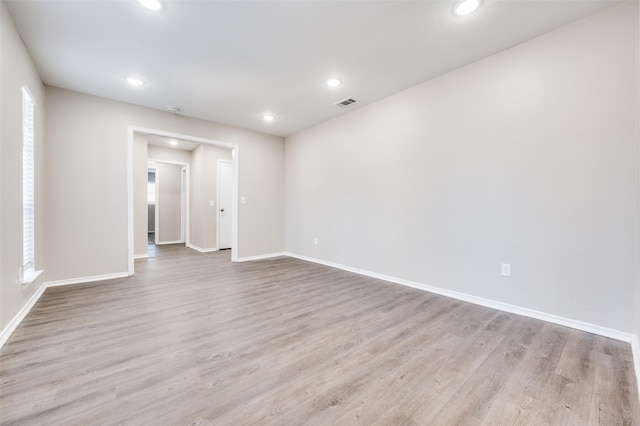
(221, 210)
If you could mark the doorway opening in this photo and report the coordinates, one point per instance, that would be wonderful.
(189, 200)
(170, 207)
(151, 209)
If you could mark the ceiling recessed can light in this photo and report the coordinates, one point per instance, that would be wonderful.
(173, 142)
(151, 4)
(135, 81)
(333, 82)
(268, 117)
(466, 7)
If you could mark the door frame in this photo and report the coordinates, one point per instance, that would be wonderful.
(185, 224)
(233, 206)
(155, 203)
(185, 214)
(235, 156)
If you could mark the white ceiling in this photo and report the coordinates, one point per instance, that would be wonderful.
(231, 61)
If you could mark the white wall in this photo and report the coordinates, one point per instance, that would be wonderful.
(528, 157)
(17, 69)
(204, 181)
(87, 166)
(169, 203)
(160, 153)
(151, 214)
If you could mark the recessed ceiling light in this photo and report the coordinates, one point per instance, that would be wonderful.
(466, 7)
(333, 82)
(268, 117)
(151, 4)
(135, 81)
(173, 142)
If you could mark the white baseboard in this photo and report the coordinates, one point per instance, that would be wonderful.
(17, 319)
(579, 325)
(169, 242)
(83, 280)
(202, 250)
(141, 256)
(555, 319)
(567, 322)
(259, 257)
(22, 313)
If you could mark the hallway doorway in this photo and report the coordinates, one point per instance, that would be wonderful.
(139, 238)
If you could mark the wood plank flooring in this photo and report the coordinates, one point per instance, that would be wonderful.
(193, 339)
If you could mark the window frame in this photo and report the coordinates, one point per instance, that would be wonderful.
(28, 272)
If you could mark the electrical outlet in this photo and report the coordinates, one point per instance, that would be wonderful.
(315, 240)
(505, 269)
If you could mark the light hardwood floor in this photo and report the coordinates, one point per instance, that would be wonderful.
(194, 339)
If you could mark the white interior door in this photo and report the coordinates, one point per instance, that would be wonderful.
(225, 207)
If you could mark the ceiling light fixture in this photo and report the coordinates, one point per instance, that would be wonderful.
(268, 117)
(151, 4)
(173, 142)
(333, 82)
(466, 7)
(135, 81)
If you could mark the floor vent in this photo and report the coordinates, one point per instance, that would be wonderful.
(345, 102)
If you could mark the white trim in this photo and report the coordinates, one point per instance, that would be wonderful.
(235, 155)
(141, 256)
(169, 242)
(260, 257)
(235, 214)
(567, 322)
(22, 313)
(33, 98)
(176, 163)
(90, 279)
(218, 203)
(234, 205)
(155, 200)
(202, 250)
(156, 207)
(185, 224)
(130, 217)
(618, 335)
(29, 278)
(184, 204)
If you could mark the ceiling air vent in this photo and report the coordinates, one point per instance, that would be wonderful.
(345, 102)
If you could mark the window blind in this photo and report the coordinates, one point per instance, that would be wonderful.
(28, 183)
